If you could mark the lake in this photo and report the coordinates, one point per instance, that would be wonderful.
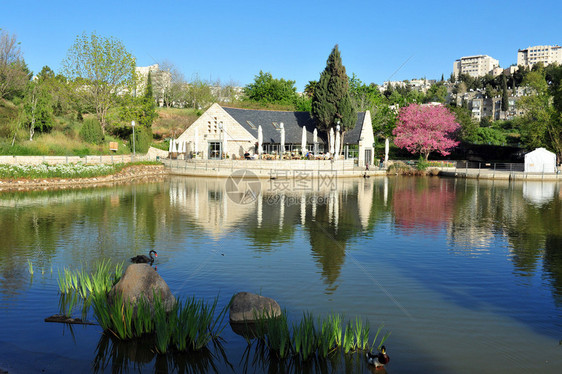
(465, 274)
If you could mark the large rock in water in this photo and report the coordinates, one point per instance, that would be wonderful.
(248, 307)
(142, 281)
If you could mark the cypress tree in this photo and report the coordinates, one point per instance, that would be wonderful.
(505, 95)
(146, 115)
(331, 102)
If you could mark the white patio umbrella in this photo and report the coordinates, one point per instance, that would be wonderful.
(282, 145)
(337, 143)
(224, 142)
(386, 148)
(260, 140)
(303, 141)
(171, 147)
(195, 141)
(331, 140)
(315, 141)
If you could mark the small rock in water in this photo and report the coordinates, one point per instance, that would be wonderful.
(248, 307)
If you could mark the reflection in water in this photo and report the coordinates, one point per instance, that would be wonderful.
(138, 354)
(477, 244)
(538, 193)
(335, 216)
(425, 204)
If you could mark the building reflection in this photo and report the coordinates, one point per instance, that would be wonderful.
(330, 215)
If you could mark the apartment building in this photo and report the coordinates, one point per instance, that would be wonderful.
(475, 66)
(547, 54)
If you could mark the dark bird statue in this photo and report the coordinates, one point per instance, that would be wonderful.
(143, 259)
(380, 359)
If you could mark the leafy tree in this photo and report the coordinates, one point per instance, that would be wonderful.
(436, 93)
(309, 88)
(332, 102)
(101, 68)
(383, 118)
(267, 90)
(489, 135)
(538, 121)
(174, 93)
(37, 108)
(14, 74)
(424, 129)
(91, 131)
(199, 94)
(469, 127)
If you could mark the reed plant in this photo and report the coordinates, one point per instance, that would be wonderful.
(305, 340)
(309, 339)
(30, 267)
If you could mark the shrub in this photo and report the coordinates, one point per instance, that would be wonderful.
(143, 139)
(91, 131)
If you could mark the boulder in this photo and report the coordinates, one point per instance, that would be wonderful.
(142, 281)
(247, 307)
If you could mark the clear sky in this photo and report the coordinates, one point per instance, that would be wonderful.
(234, 40)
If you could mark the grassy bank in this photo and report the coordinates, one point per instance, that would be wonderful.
(63, 139)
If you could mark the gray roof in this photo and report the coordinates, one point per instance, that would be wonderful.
(293, 123)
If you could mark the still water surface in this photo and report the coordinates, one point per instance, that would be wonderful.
(467, 275)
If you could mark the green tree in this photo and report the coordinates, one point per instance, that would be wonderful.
(469, 127)
(148, 106)
(538, 117)
(266, 89)
(101, 68)
(37, 108)
(14, 74)
(331, 103)
(309, 88)
(199, 94)
(505, 94)
(91, 131)
(436, 93)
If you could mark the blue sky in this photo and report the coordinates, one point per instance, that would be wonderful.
(234, 40)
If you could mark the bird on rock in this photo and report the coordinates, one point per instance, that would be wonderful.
(143, 259)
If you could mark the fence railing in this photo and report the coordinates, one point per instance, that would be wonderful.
(496, 166)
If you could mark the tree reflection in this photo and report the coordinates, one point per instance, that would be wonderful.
(425, 204)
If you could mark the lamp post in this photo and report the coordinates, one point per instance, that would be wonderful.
(134, 150)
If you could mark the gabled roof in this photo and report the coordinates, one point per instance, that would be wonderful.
(293, 123)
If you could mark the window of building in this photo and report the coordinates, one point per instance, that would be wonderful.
(251, 125)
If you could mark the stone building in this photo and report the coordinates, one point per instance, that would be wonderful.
(231, 132)
(475, 66)
(547, 54)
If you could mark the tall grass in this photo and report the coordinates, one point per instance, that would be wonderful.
(311, 338)
(30, 267)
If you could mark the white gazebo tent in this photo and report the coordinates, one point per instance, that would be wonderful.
(540, 161)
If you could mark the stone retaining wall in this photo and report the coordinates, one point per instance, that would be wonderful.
(131, 173)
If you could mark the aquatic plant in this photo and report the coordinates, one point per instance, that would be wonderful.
(311, 338)
(30, 267)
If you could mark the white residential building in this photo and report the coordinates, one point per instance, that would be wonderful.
(475, 66)
(547, 54)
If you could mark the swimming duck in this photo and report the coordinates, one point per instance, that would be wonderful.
(143, 259)
(380, 359)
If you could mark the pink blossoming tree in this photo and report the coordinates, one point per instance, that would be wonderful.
(424, 129)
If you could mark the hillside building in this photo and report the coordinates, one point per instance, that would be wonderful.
(547, 54)
(475, 66)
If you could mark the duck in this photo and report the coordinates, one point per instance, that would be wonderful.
(143, 259)
(380, 359)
